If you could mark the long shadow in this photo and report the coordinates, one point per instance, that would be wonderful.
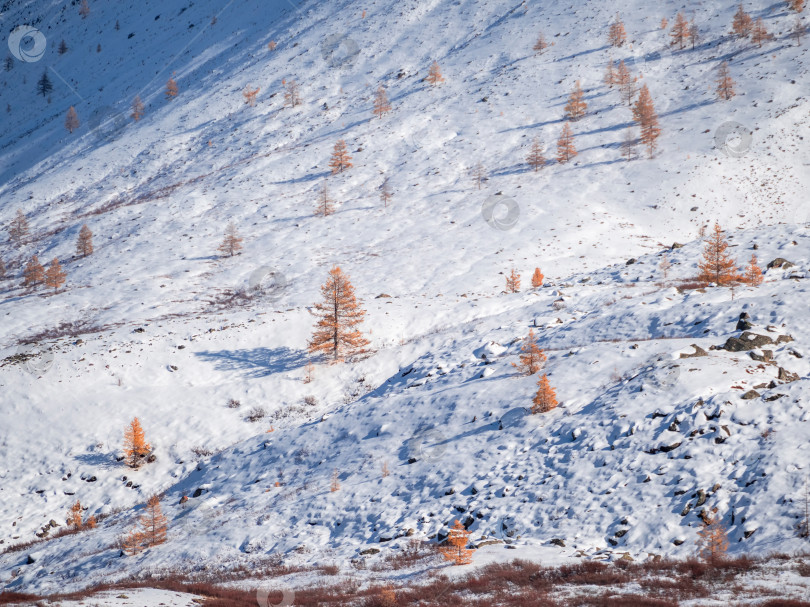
(258, 362)
(581, 53)
(103, 460)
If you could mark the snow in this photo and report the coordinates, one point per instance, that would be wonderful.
(430, 400)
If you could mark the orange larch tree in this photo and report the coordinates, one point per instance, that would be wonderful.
(33, 273)
(455, 548)
(694, 33)
(18, 229)
(610, 73)
(74, 518)
(796, 5)
(334, 484)
(434, 76)
(541, 44)
(232, 243)
(381, 104)
(292, 93)
(545, 399)
(339, 315)
(84, 243)
(741, 24)
(386, 192)
(644, 114)
(753, 273)
(712, 541)
(137, 108)
(680, 31)
(250, 95)
(565, 145)
(665, 266)
(725, 84)
(71, 120)
(537, 278)
(717, 265)
(759, 33)
(154, 523)
(664, 23)
(478, 174)
(171, 88)
(576, 106)
(340, 160)
(626, 82)
(535, 159)
(616, 34)
(135, 446)
(532, 358)
(54, 276)
(513, 282)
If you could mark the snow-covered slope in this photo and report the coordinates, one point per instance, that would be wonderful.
(141, 336)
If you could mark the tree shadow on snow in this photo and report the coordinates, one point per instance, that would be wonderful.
(258, 362)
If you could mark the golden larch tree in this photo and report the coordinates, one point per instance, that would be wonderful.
(386, 192)
(340, 160)
(725, 84)
(33, 273)
(664, 23)
(54, 276)
(545, 399)
(513, 281)
(434, 76)
(535, 159)
(71, 120)
(133, 542)
(541, 44)
(665, 265)
(325, 205)
(292, 93)
(626, 82)
(84, 243)
(171, 88)
(135, 446)
(455, 547)
(334, 484)
(137, 108)
(644, 114)
(232, 243)
(741, 24)
(576, 106)
(796, 5)
(381, 104)
(712, 540)
(74, 518)
(250, 95)
(532, 358)
(565, 145)
(717, 266)
(18, 229)
(616, 34)
(753, 273)
(759, 33)
(153, 523)
(537, 278)
(339, 314)
(680, 31)
(272, 45)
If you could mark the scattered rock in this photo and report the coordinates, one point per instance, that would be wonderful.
(749, 533)
(774, 397)
(488, 543)
(678, 541)
(621, 532)
(677, 245)
(743, 324)
(382, 296)
(630, 261)
(686, 509)
(368, 551)
(787, 376)
(746, 341)
(762, 356)
(780, 262)
(698, 352)
(784, 339)
(558, 542)
(701, 495)
(750, 395)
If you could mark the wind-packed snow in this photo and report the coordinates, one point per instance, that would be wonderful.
(640, 433)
